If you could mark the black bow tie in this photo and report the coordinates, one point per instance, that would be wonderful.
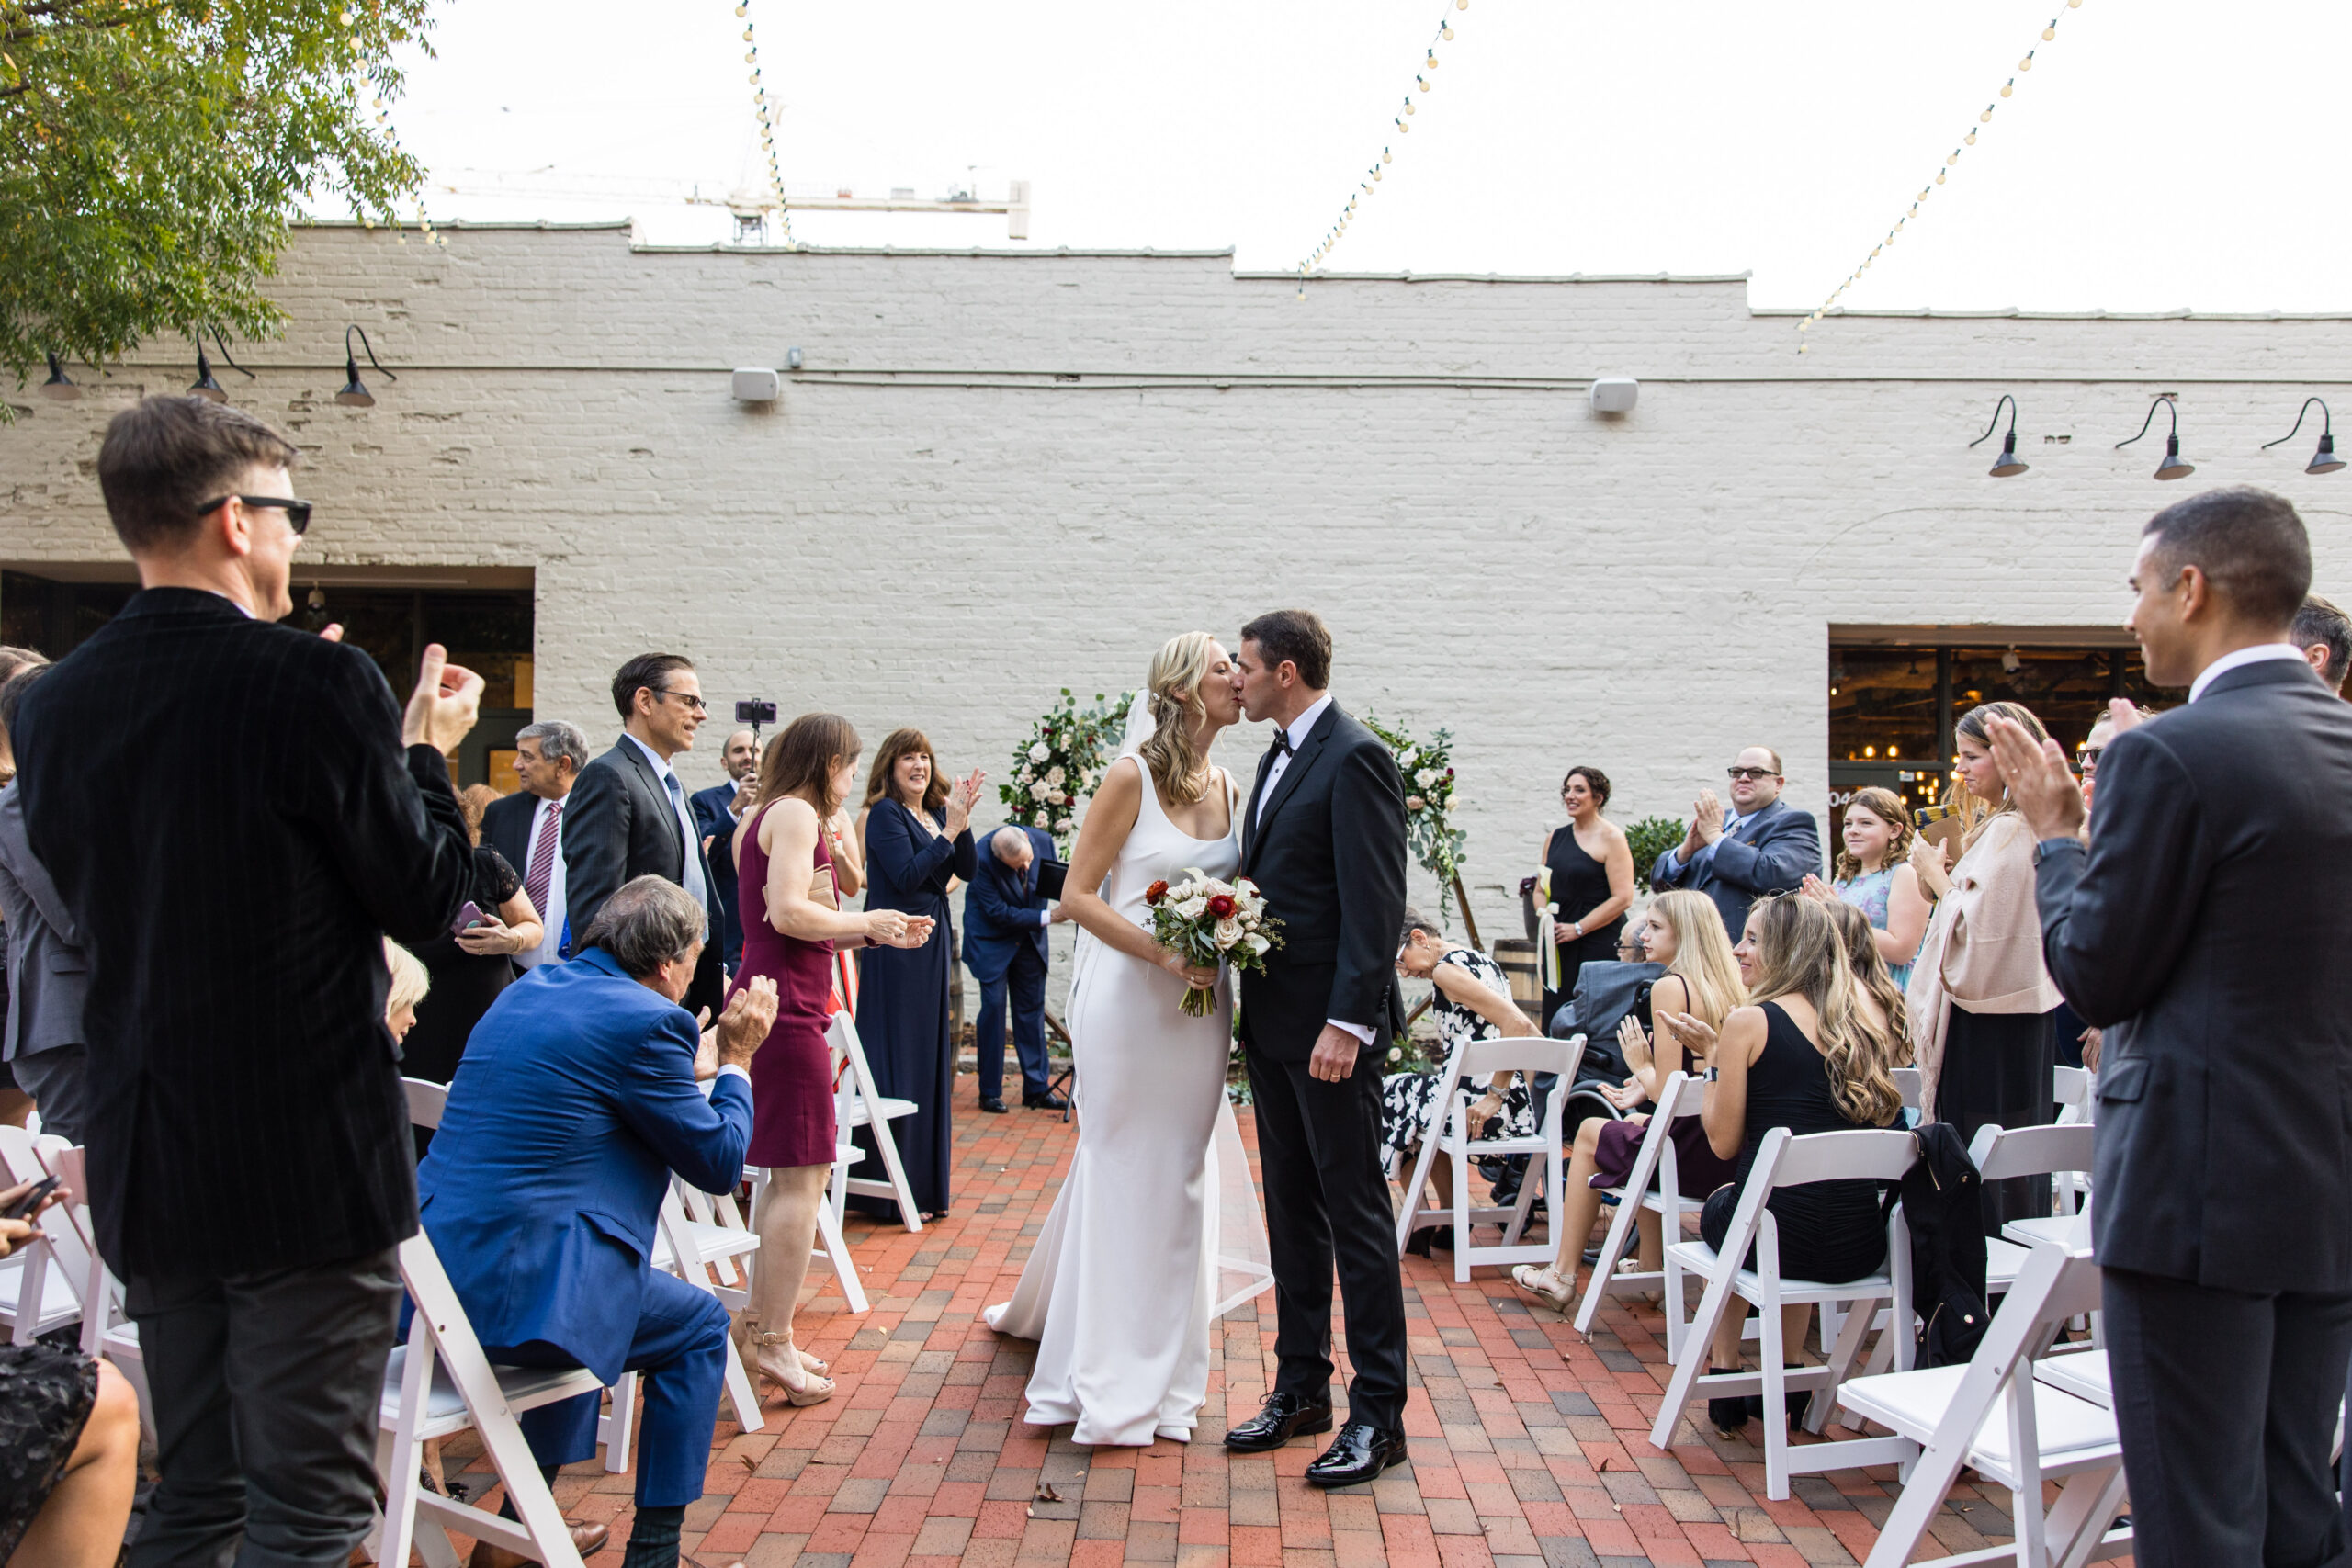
(1282, 746)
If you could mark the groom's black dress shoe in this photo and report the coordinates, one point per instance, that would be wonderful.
(993, 1105)
(1359, 1453)
(1281, 1417)
(1049, 1100)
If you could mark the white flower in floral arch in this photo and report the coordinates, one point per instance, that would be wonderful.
(1040, 752)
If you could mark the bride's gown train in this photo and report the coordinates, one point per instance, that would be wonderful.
(1157, 1230)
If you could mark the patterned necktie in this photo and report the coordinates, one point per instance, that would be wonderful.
(536, 880)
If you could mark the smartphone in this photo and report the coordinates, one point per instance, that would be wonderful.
(35, 1196)
(468, 917)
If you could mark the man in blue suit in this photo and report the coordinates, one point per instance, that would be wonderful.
(716, 811)
(1764, 846)
(575, 1101)
(1005, 946)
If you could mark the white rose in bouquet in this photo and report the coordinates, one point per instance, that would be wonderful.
(1414, 803)
(1190, 909)
(1040, 752)
(1054, 776)
(1412, 754)
(1065, 825)
(1057, 797)
(1426, 777)
(1037, 791)
(1228, 931)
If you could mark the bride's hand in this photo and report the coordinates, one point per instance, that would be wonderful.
(1194, 974)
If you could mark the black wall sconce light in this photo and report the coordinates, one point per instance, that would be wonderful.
(2009, 464)
(2172, 468)
(2324, 461)
(206, 386)
(59, 386)
(355, 393)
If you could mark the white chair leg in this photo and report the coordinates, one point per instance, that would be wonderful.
(836, 1250)
(1697, 1335)
(617, 1426)
(1613, 1247)
(1461, 1211)
(1415, 1187)
(1776, 1424)
(739, 1390)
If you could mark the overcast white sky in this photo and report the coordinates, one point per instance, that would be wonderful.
(2161, 154)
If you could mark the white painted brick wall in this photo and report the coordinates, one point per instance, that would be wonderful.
(1646, 593)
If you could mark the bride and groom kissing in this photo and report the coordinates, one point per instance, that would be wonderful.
(1157, 1229)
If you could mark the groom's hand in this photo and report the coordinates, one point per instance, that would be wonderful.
(1335, 1054)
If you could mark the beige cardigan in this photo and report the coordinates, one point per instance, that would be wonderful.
(1983, 950)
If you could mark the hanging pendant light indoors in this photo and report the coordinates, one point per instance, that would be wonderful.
(355, 393)
(206, 386)
(2173, 466)
(2009, 464)
(59, 386)
(2324, 461)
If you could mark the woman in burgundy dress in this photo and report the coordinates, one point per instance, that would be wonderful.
(792, 919)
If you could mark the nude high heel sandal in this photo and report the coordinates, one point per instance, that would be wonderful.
(808, 1388)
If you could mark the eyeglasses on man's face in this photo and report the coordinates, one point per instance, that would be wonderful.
(298, 513)
(1736, 774)
(693, 703)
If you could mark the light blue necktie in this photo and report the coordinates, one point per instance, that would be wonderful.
(692, 881)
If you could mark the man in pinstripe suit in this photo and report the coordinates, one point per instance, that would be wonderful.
(268, 815)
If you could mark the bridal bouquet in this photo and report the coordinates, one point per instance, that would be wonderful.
(1213, 922)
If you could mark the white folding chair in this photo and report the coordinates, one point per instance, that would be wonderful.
(688, 1249)
(2076, 1091)
(858, 1103)
(1680, 1098)
(1481, 1060)
(2018, 1420)
(1913, 1083)
(1783, 1160)
(41, 1282)
(440, 1382)
(2003, 1154)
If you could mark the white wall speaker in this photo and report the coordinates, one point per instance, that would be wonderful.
(1610, 394)
(758, 385)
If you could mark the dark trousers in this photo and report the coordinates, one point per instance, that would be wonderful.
(1327, 1205)
(266, 1389)
(2226, 1403)
(58, 1079)
(1023, 982)
(708, 987)
(680, 1347)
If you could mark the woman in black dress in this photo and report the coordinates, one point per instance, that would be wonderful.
(1591, 868)
(918, 836)
(469, 967)
(1802, 1055)
(69, 1443)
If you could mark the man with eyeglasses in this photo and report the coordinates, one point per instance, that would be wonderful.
(629, 815)
(1763, 845)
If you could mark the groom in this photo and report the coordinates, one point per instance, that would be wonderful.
(1323, 836)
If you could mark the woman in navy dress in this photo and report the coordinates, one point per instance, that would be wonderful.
(918, 833)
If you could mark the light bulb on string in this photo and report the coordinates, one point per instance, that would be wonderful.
(1432, 61)
(2049, 32)
(1445, 31)
(2007, 87)
(1423, 82)
(2026, 63)
(1969, 138)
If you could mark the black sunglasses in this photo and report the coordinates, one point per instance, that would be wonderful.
(1748, 773)
(693, 703)
(2088, 755)
(298, 513)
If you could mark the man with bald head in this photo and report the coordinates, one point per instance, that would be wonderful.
(1761, 845)
(1005, 946)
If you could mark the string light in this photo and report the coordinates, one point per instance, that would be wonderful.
(765, 109)
(1372, 176)
(1925, 191)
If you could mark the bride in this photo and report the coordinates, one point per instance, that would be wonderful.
(1157, 1230)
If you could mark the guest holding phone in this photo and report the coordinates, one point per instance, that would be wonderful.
(471, 961)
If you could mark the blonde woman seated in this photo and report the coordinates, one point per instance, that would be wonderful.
(1804, 1057)
(1473, 1002)
(1682, 930)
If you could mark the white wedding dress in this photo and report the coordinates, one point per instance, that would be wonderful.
(1157, 1230)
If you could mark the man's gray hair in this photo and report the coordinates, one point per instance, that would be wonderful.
(1009, 841)
(558, 740)
(650, 923)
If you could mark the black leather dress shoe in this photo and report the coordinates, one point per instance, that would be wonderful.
(992, 1104)
(1280, 1418)
(1359, 1453)
(1049, 1100)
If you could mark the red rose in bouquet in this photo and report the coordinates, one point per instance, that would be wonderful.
(1156, 892)
(1214, 925)
(1222, 905)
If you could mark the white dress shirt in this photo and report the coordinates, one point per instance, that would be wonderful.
(551, 946)
(1298, 729)
(2241, 656)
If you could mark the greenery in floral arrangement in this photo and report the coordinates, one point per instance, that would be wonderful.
(1650, 837)
(1431, 801)
(1060, 763)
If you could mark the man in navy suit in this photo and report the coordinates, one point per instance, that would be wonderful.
(1764, 846)
(1005, 946)
(574, 1102)
(718, 810)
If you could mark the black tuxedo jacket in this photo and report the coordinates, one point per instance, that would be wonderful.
(1329, 854)
(2206, 931)
(618, 824)
(228, 811)
(714, 822)
(506, 827)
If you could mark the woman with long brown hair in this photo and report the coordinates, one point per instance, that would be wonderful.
(918, 841)
(793, 920)
(1984, 1008)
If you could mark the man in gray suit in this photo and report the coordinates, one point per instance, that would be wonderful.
(2202, 930)
(49, 974)
(1763, 845)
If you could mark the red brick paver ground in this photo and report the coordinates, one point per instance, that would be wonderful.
(1530, 1445)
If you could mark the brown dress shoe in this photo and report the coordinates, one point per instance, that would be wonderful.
(585, 1539)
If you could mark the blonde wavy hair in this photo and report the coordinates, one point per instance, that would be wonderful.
(1799, 952)
(1872, 974)
(1888, 808)
(1703, 960)
(1172, 692)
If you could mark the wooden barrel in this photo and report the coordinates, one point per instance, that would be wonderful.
(1516, 956)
